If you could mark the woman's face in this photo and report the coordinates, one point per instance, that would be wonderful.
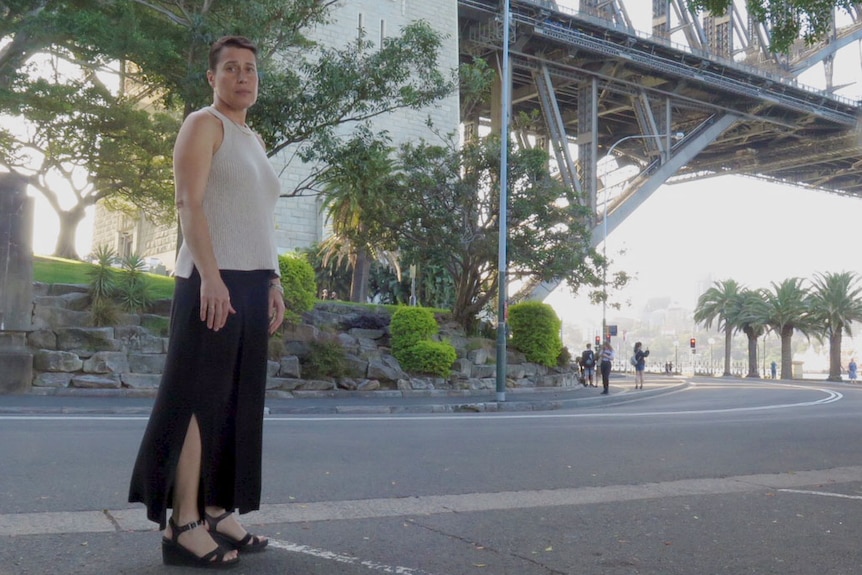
(235, 80)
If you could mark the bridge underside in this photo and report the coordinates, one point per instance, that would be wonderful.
(594, 83)
(600, 87)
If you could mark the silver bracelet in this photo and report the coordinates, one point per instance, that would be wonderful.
(277, 286)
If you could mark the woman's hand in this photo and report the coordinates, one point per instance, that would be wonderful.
(215, 303)
(276, 307)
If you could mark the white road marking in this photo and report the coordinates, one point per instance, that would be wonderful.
(821, 493)
(346, 559)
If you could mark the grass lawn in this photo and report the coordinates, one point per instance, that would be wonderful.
(59, 271)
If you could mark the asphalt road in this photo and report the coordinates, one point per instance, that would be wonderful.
(720, 478)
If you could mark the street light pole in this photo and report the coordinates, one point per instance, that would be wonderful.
(675, 136)
(502, 262)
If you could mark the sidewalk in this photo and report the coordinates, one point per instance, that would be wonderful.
(119, 402)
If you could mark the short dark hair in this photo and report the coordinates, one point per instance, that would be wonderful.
(229, 41)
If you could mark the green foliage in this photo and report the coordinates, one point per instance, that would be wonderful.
(133, 288)
(787, 19)
(450, 224)
(409, 326)
(104, 312)
(103, 277)
(535, 331)
(565, 357)
(300, 286)
(325, 359)
(431, 357)
(52, 270)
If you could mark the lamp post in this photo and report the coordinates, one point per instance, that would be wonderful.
(675, 356)
(502, 262)
(675, 136)
(711, 341)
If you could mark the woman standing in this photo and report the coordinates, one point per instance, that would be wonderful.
(640, 364)
(201, 453)
(605, 366)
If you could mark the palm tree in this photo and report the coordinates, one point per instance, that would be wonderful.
(836, 302)
(789, 310)
(714, 305)
(750, 314)
(355, 187)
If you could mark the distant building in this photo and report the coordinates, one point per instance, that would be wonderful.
(298, 220)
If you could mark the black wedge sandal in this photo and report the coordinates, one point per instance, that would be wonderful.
(248, 544)
(174, 553)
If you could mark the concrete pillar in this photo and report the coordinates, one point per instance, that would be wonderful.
(16, 284)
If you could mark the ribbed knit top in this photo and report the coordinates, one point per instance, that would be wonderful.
(239, 203)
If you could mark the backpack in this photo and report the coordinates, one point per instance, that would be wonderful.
(588, 359)
(634, 361)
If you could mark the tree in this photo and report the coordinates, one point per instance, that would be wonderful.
(358, 183)
(750, 315)
(836, 302)
(452, 220)
(716, 305)
(789, 311)
(101, 144)
(162, 47)
(787, 19)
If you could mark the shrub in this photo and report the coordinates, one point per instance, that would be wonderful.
(565, 357)
(326, 358)
(133, 289)
(426, 356)
(409, 326)
(300, 287)
(104, 312)
(536, 332)
(103, 277)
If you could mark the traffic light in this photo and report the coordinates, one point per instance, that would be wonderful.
(693, 343)
(598, 341)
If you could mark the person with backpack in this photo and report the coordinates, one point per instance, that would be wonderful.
(588, 362)
(640, 364)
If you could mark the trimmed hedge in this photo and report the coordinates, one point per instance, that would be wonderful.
(300, 286)
(535, 330)
(432, 357)
(409, 326)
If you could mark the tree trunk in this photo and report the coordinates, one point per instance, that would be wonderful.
(728, 339)
(69, 220)
(359, 281)
(752, 356)
(786, 354)
(835, 355)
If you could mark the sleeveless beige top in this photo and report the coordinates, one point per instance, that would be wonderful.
(239, 203)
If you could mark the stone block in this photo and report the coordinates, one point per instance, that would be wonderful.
(63, 289)
(272, 368)
(481, 371)
(478, 356)
(47, 360)
(386, 369)
(360, 333)
(301, 333)
(147, 362)
(297, 348)
(16, 371)
(462, 368)
(107, 381)
(58, 379)
(368, 385)
(91, 338)
(42, 339)
(107, 362)
(289, 366)
(13, 340)
(141, 380)
(355, 366)
(56, 317)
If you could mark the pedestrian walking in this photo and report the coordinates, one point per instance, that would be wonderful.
(606, 362)
(201, 452)
(773, 369)
(852, 370)
(640, 364)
